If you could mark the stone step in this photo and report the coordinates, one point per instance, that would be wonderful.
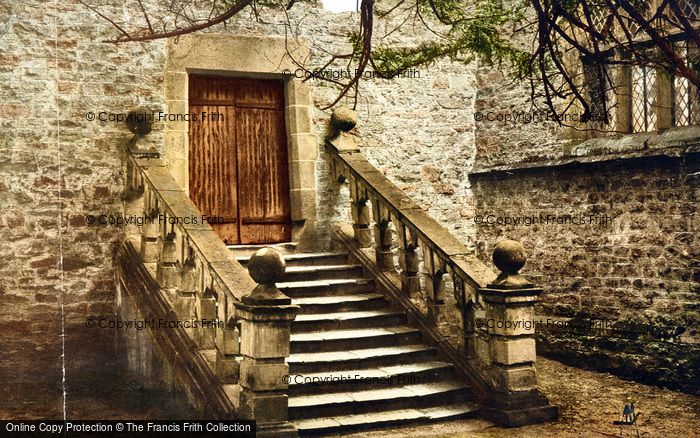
(385, 418)
(322, 272)
(419, 395)
(341, 303)
(315, 288)
(248, 249)
(339, 340)
(308, 259)
(354, 363)
(346, 320)
(303, 363)
(366, 379)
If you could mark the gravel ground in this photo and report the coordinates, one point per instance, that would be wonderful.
(588, 401)
(588, 404)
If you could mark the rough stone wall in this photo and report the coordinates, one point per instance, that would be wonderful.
(57, 167)
(638, 274)
(635, 274)
(509, 129)
(418, 130)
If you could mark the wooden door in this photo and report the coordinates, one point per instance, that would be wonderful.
(238, 157)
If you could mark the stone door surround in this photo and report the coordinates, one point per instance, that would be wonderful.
(252, 56)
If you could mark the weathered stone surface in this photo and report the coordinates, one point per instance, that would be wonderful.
(515, 379)
(513, 351)
(227, 368)
(262, 376)
(343, 119)
(263, 408)
(265, 340)
(633, 261)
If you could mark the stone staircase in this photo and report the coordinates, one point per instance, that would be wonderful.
(355, 360)
(355, 363)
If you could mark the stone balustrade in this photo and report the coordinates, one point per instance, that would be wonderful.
(499, 363)
(247, 339)
(243, 327)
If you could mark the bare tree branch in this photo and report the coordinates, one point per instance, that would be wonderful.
(233, 10)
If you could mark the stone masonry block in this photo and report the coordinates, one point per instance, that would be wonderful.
(303, 204)
(265, 340)
(264, 408)
(175, 85)
(168, 276)
(303, 174)
(299, 92)
(513, 351)
(176, 143)
(298, 118)
(150, 250)
(510, 321)
(303, 147)
(227, 368)
(177, 107)
(263, 377)
(515, 379)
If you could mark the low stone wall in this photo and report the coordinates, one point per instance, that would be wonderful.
(614, 243)
(164, 360)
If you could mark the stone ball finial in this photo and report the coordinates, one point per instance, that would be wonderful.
(343, 119)
(267, 266)
(509, 256)
(140, 120)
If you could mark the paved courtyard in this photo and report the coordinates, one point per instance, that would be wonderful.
(589, 402)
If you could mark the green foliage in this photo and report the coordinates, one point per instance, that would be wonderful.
(476, 30)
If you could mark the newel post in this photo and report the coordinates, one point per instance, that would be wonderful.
(509, 300)
(343, 120)
(266, 315)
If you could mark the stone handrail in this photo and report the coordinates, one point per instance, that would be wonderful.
(199, 275)
(242, 324)
(443, 254)
(497, 360)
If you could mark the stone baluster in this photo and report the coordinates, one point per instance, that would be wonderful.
(186, 298)
(266, 315)
(433, 272)
(227, 342)
(467, 308)
(408, 259)
(360, 214)
(383, 239)
(167, 269)
(206, 311)
(134, 188)
(509, 302)
(149, 237)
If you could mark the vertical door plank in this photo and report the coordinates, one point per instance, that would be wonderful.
(263, 165)
(212, 158)
(239, 169)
